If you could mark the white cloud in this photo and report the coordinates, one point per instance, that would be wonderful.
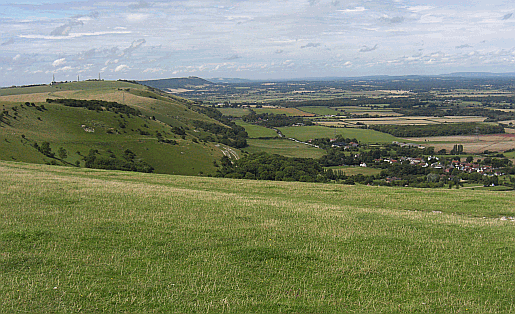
(121, 67)
(356, 9)
(59, 62)
(64, 69)
(137, 17)
(153, 70)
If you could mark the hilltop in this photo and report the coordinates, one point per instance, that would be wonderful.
(170, 134)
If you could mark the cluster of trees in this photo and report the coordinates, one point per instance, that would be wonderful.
(229, 133)
(263, 166)
(161, 139)
(433, 110)
(97, 105)
(234, 136)
(270, 120)
(46, 150)
(326, 143)
(128, 162)
(438, 129)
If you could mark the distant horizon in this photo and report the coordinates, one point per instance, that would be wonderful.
(472, 74)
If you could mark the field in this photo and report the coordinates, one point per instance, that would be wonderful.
(234, 112)
(294, 112)
(471, 143)
(283, 147)
(352, 171)
(407, 120)
(320, 111)
(257, 131)
(78, 240)
(311, 132)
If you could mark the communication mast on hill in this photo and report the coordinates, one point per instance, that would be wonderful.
(476, 133)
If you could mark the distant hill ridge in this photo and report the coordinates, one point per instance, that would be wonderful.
(183, 82)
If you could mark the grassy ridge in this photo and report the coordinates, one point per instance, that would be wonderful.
(71, 128)
(80, 240)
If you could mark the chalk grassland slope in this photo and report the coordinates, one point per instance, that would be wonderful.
(82, 240)
(78, 130)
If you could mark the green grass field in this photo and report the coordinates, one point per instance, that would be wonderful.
(352, 171)
(234, 112)
(310, 132)
(257, 131)
(292, 112)
(321, 111)
(92, 241)
(283, 147)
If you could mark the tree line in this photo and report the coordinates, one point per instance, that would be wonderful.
(466, 128)
(271, 120)
(97, 105)
(127, 162)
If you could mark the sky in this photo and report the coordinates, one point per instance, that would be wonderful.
(251, 39)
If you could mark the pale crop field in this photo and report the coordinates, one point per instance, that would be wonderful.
(471, 143)
(79, 240)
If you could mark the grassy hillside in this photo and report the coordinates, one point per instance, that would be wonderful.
(78, 130)
(82, 240)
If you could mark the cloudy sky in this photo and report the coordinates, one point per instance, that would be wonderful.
(254, 39)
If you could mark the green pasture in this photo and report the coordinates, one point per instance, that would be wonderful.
(321, 111)
(305, 133)
(234, 112)
(352, 171)
(291, 112)
(283, 147)
(257, 131)
(92, 241)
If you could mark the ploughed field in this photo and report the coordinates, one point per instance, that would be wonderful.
(83, 240)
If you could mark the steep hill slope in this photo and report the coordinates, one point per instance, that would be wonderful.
(164, 133)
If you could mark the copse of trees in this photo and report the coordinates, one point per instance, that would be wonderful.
(229, 133)
(270, 120)
(438, 129)
(97, 105)
(234, 136)
(263, 166)
(128, 162)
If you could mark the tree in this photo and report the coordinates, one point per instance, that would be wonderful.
(62, 153)
(46, 150)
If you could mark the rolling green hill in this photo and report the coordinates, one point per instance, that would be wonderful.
(180, 147)
(96, 241)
